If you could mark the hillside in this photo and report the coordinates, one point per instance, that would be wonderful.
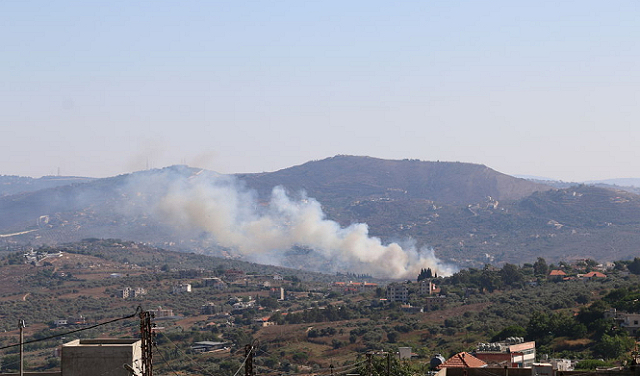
(579, 222)
(75, 286)
(469, 214)
(11, 185)
(345, 178)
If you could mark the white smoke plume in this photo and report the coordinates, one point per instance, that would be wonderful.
(235, 218)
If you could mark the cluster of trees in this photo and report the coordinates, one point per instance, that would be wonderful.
(426, 274)
(625, 299)
(330, 313)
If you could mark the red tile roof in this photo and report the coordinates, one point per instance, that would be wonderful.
(594, 274)
(463, 360)
(557, 272)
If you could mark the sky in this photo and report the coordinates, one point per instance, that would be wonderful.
(100, 88)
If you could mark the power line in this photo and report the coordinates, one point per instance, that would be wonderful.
(183, 352)
(165, 360)
(138, 310)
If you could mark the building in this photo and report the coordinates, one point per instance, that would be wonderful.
(404, 353)
(353, 287)
(104, 357)
(264, 321)
(631, 323)
(206, 346)
(233, 274)
(181, 288)
(463, 360)
(161, 313)
(628, 321)
(557, 275)
(592, 275)
(398, 292)
(129, 292)
(561, 364)
(428, 288)
(513, 352)
(211, 308)
(215, 283)
(433, 302)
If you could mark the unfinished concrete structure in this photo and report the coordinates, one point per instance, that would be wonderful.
(104, 357)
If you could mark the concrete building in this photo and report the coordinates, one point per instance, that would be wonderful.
(513, 352)
(129, 292)
(104, 357)
(631, 323)
(428, 288)
(215, 283)
(181, 288)
(161, 313)
(404, 352)
(628, 321)
(432, 302)
(398, 292)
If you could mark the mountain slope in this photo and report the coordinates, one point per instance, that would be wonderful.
(347, 177)
(468, 213)
(11, 185)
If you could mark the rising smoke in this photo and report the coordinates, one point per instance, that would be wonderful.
(235, 218)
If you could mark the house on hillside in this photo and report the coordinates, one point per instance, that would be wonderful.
(557, 275)
(628, 321)
(398, 292)
(432, 302)
(181, 288)
(462, 360)
(353, 287)
(161, 313)
(215, 283)
(427, 287)
(233, 274)
(129, 292)
(592, 275)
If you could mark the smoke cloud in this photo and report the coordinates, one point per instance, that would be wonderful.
(235, 218)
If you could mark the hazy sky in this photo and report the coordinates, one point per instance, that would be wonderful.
(97, 88)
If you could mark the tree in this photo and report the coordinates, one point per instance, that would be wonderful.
(393, 336)
(489, 280)
(511, 275)
(613, 347)
(510, 331)
(634, 266)
(425, 274)
(540, 267)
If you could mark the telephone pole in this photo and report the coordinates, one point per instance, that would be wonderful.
(146, 336)
(248, 364)
(22, 325)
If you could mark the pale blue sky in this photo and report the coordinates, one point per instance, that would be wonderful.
(547, 88)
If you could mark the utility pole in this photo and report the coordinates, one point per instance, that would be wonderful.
(388, 364)
(22, 325)
(147, 342)
(248, 364)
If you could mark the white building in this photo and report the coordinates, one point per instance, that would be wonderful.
(181, 288)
